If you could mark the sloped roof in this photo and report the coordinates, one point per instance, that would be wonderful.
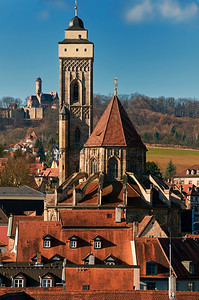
(148, 249)
(22, 191)
(18, 218)
(115, 129)
(30, 242)
(112, 195)
(93, 218)
(3, 218)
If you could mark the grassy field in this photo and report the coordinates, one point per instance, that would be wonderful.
(181, 158)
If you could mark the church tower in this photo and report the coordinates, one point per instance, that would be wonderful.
(76, 54)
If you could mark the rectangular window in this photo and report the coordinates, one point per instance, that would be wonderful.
(97, 244)
(73, 244)
(85, 287)
(18, 282)
(47, 243)
(151, 268)
(47, 283)
(190, 286)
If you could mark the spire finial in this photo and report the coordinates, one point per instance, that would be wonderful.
(116, 85)
(75, 8)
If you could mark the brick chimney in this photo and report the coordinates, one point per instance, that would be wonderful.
(38, 258)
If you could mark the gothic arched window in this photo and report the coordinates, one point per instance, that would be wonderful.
(93, 166)
(113, 168)
(77, 136)
(76, 92)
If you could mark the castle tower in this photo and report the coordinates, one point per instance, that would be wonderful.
(76, 55)
(38, 85)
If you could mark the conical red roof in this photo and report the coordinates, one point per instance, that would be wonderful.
(115, 129)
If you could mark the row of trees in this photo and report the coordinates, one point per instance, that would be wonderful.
(168, 173)
(6, 101)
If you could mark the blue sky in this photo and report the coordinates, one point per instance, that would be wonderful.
(152, 46)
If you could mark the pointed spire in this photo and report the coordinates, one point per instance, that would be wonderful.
(75, 8)
(116, 85)
(114, 129)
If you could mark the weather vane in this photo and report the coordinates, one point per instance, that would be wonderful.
(75, 8)
(116, 85)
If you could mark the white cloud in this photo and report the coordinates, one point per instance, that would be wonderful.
(173, 10)
(140, 11)
(44, 15)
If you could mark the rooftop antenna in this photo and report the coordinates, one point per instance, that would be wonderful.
(75, 8)
(116, 85)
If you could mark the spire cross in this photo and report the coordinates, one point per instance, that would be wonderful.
(116, 85)
(75, 8)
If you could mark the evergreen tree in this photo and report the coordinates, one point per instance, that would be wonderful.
(169, 171)
(173, 130)
(156, 135)
(40, 151)
(51, 142)
(176, 135)
(50, 156)
(152, 168)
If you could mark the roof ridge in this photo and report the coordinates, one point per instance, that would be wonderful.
(121, 123)
(108, 119)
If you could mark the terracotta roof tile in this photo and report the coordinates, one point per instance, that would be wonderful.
(115, 129)
(93, 218)
(148, 249)
(30, 242)
(17, 218)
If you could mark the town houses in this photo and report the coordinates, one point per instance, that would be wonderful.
(103, 225)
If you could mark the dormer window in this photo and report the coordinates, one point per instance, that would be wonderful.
(47, 241)
(57, 257)
(151, 268)
(109, 261)
(97, 243)
(73, 242)
(19, 280)
(193, 172)
(47, 280)
(188, 172)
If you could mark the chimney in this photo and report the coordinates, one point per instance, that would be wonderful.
(39, 262)
(118, 214)
(135, 229)
(91, 259)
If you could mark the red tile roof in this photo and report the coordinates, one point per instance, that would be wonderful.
(17, 218)
(149, 249)
(92, 218)
(115, 129)
(8, 257)
(112, 195)
(30, 242)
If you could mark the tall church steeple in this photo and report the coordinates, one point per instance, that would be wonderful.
(76, 55)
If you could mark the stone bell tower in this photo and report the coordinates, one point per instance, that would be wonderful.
(76, 55)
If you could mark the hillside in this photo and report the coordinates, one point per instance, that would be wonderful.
(162, 121)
